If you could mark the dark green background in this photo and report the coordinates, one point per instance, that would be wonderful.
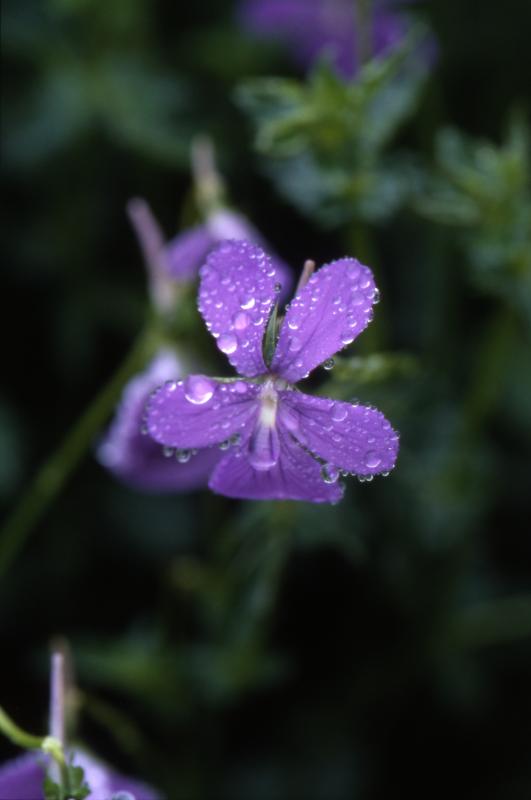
(386, 656)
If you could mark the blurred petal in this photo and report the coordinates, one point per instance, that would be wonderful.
(330, 311)
(134, 457)
(294, 476)
(236, 296)
(200, 412)
(187, 252)
(354, 438)
(21, 778)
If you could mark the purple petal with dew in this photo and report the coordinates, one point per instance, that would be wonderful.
(294, 476)
(21, 778)
(327, 315)
(200, 412)
(354, 438)
(185, 254)
(226, 224)
(239, 287)
(133, 456)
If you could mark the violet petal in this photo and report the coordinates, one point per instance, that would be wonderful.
(200, 412)
(330, 311)
(187, 251)
(354, 438)
(239, 287)
(295, 476)
(133, 456)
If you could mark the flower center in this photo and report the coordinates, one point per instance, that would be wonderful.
(264, 446)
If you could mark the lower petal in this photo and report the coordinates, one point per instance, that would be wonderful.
(354, 438)
(295, 476)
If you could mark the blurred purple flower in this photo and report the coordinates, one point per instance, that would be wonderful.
(313, 27)
(279, 442)
(133, 456)
(22, 779)
(179, 260)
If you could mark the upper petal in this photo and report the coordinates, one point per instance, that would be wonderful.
(294, 476)
(328, 314)
(199, 412)
(355, 438)
(239, 287)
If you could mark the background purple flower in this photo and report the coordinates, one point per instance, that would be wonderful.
(187, 252)
(22, 779)
(283, 444)
(133, 456)
(312, 27)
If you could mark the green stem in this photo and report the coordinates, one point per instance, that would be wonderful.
(52, 477)
(30, 742)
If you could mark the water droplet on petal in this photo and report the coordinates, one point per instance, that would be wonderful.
(198, 389)
(183, 456)
(224, 445)
(328, 364)
(167, 452)
(227, 343)
(248, 303)
(294, 344)
(241, 321)
(329, 473)
(293, 325)
(372, 460)
(347, 337)
(339, 412)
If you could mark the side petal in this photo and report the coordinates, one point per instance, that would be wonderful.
(331, 310)
(239, 287)
(295, 476)
(354, 438)
(136, 459)
(185, 254)
(200, 412)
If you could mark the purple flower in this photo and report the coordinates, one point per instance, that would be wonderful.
(22, 779)
(188, 251)
(311, 27)
(134, 457)
(279, 442)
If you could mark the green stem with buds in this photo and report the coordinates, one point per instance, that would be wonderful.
(47, 744)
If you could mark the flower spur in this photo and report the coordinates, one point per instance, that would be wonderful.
(280, 443)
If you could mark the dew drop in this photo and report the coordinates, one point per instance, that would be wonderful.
(295, 344)
(376, 297)
(293, 325)
(183, 456)
(248, 303)
(328, 364)
(372, 460)
(329, 473)
(167, 452)
(339, 412)
(241, 321)
(224, 445)
(347, 337)
(278, 287)
(198, 390)
(228, 343)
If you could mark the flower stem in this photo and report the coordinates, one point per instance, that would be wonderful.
(30, 742)
(52, 477)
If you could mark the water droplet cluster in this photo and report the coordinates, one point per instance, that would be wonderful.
(237, 293)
